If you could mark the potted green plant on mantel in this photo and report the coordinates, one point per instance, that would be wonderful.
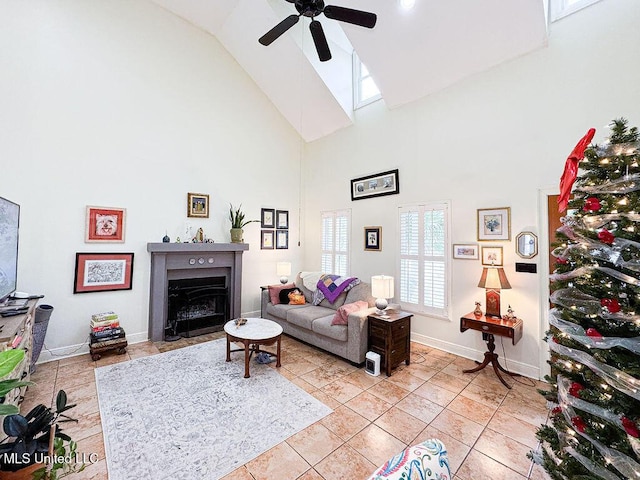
(237, 223)
(35, 438)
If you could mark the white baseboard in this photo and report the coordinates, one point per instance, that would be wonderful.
(524, 369)
(50, 355)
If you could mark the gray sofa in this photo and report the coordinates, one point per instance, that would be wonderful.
(312, 323)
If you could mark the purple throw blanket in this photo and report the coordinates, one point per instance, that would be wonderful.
(332, 286)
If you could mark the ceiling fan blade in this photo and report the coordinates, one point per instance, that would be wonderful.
(320, 41)
(349, 15)
(269, 37)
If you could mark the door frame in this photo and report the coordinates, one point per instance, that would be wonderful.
(543, 215)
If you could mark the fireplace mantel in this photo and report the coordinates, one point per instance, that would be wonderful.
(170, 261)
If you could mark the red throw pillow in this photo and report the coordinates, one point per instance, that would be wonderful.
(342, 314)
(274, 292)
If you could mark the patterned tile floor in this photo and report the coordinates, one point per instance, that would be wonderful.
(486, 428)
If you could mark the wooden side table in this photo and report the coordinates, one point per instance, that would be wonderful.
(490, 326)
(390, 338)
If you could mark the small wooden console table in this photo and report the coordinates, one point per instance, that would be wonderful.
(490, 326)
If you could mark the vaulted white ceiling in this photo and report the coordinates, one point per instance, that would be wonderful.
(410, 54)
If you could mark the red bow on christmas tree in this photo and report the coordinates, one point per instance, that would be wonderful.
(571, 169)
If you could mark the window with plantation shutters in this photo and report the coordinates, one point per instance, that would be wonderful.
(424, 266)
(336, 226)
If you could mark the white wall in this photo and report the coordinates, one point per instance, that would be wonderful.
(493, 140)
(122, 104)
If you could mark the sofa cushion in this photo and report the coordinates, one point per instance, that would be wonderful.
(323, 326)
(308, 294)
(281, 310)
(362, 291)
(274, 292)
(342, 315)
(304, 317)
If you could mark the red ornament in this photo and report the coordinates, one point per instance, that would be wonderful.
(610, 304)
(562, 261)
(579, 424)
(556, 410)
(606, 236)
(575, 389)
(630, 427)
(571, 169)
(592, 204)
(593, 333)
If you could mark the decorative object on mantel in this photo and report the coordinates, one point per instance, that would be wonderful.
(166, 238)
(478, 311)
(385, 183)
(236, 217)
(198, 205)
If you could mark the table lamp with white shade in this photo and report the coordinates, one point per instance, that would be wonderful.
(284, 270)
(382, 289)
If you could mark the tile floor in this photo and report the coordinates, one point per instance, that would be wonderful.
(486, 428)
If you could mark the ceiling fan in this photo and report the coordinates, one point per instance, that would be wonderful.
(313, 8)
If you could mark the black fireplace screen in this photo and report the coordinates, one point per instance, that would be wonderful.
(197, 306)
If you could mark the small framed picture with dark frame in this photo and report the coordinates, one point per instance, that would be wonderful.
(282, 239)
(492, 256)
(465, 251)
(103, 272)
(266, 239)
(373, 238)
(282, 218)
(105, 224)
(267, 218)
(198, 205)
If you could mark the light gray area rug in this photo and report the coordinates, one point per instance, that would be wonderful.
(188, 414)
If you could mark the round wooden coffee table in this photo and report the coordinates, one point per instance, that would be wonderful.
(256, 332)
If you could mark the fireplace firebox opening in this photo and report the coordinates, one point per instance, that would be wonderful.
(196, 306)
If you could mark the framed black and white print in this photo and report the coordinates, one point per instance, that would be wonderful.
(373, 238)
(385, 183)
(266, 242)
(103, 272)
(268, 218)
(282, 239)
(282, 218)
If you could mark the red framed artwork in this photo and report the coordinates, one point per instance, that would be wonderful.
(102, 272)
(105, 224)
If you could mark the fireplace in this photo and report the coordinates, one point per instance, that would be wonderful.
(197, 306)
(195, 287)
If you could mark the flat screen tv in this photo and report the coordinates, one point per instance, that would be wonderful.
(9, 224)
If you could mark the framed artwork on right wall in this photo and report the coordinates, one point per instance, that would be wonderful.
(494, 224)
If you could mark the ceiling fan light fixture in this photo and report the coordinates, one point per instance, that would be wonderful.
(407, 4)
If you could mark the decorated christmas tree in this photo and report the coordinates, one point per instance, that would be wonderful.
(593, 430)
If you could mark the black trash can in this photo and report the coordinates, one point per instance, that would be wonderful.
(40, 325)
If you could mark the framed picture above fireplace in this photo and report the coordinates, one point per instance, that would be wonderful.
(103, 272)
(198, 205)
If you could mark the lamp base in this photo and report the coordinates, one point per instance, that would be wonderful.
(284, 280)
(381, 305)
(493, 303)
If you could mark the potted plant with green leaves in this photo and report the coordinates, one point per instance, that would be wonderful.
(35, 442)
(236, 217)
